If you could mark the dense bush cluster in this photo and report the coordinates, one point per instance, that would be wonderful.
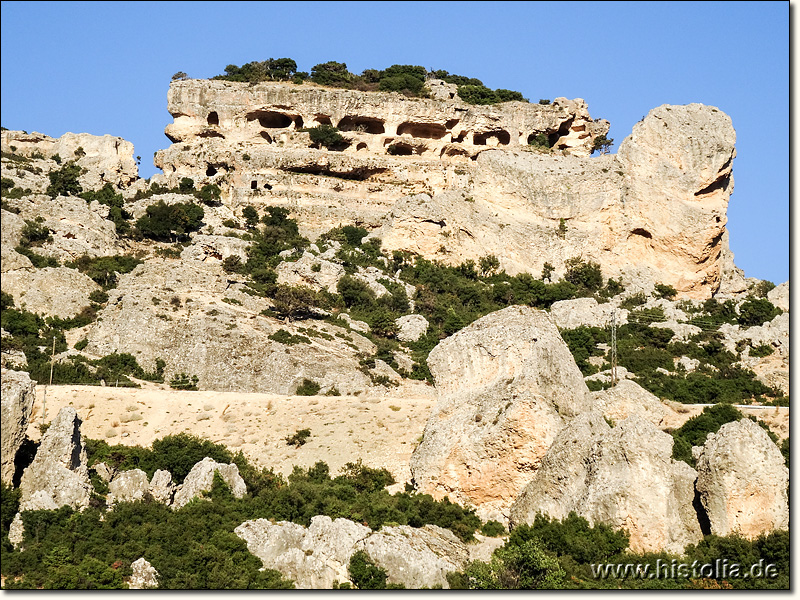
(405, 79)
(553, 554)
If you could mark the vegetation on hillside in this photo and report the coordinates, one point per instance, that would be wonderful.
(405, 79)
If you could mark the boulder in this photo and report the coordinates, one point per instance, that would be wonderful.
(201, 479)
(144, 576)
(622, 476)
(161, 486)
(18, 396)
(316, 556)
(628, 399)
(742, 481)
(506, 385)
(411, 327)
(58, 475)
(215, 248)
(128, 486)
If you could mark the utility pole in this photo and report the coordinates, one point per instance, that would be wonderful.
(614, 347)
(44, 396)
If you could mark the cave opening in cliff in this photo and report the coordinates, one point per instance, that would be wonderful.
(563, 130)
(361, 146)
(452, 123)
(269, 119)
(497, 137)
(433, 131)
(254, 185)
(362, 124)
(642, 232)
(322, 119)
(213, 118)
(266, 136)
(211, 171)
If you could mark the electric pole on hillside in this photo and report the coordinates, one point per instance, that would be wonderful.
(613, 347)
(44, 396)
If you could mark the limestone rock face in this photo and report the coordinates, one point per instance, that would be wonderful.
(779, 296)
(57, 292)
(215, 248)
(194, 323)
(144, 575)
(311, 271)
(128, 486)
(569, 314)
(201, 478)
(58, 475)
(411, 327)
(214, 110)
(627, 399)
(506, 385)
(106, 158)
(317, 556)
(622, 476)
(742, 481)
(161, 486)
(19, 394)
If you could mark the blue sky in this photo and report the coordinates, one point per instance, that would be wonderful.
(105, 67)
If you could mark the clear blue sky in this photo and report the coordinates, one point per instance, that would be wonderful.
(104, 67)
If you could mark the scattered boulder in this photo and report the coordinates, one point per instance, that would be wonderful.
(316, 556)
(411, 327)
(201, 479)
(58, 475)
(506, 386)
(742, 481)
(359, 326)
(144, 575)
(19, 394)
(622, 476)
(103, 471)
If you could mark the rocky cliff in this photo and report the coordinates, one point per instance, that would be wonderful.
(452, 181)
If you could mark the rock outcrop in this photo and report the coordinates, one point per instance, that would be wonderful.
(106, 158)
(18, 396)
(742, 481)
(311, 271)
(506, 385)
(586, 312)
(128, 486)
(627, 399)
(144, 575)
(411, 327)
(201, 479)
(201, 323)
(317, 556)
(53, 292)
(622, 476)
(779, 296)
(58, 475)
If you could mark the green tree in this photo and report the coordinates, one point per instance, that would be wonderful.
(64, 181)
(168, 222)
(364, 574)
(602, 144)
(331, 73)
(327, 136)
(250, 216)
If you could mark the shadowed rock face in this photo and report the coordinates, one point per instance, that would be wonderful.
(58, 475)
(622, 476)
(743, 481)
(19, 394)
(506, 386)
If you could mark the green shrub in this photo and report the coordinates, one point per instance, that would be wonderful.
(284, 337)
(104, 270)
(695, 431)
(98, 296)
(170, 222)
(493, 528)
(364, 574)
(210, 194)
(299, 438)
(665, 291)
(182, 381)
(757, 312)
(327, 136)
(64, 181)
(331, 73)
(761, 350)
(80, 345)
(307, 388)
(584, 275)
